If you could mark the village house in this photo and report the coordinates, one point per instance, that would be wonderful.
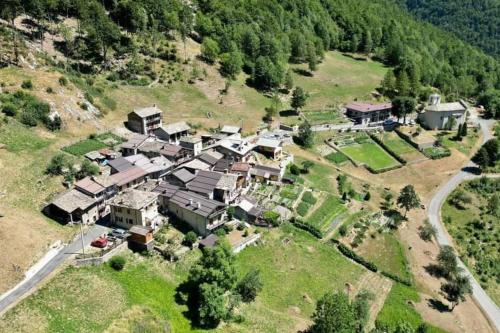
(195, 165)
(210, 157)
(165, 192)
(437, 115)
(95, 190)
(366, 113)
(140, 239)
(242, 170)
(191, 143)
(156, 167)
(214, 185)
(135, 208)
(248, 210)
(263, 173)
(73, 207)
(145, 120)
(271, 148)
(172, 133)
(237, 149)
(202, 214)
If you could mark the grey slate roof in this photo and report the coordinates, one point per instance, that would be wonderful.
(73, 200)
(207, 158)
(147, 111)
(230, 129)
(190, 200)
(183, 175)
(135, 141)
(204, 182)
(135, 199)
(166, 189)
(120, 164)
(223, 165)
(447, 107)
(174, 128)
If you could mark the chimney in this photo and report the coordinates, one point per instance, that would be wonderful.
(154, 105)
(198, 205)
(226, 171)
(190, 202)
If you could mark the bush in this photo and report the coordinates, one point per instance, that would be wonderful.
(27, 84)
(190, 238)
(294, 170)
(343, 230)
(56, 165)
(63, 81)
(397, 278)
(117, 263)
(272, 218)
(9, 109)
(49, 90)
(249, 286)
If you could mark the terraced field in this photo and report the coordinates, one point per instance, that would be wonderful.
(371, 154)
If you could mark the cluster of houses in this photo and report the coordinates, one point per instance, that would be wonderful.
(163, 170)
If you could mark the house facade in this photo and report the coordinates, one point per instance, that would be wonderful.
(145, 120)
(202, 214)
(135, 208)
(73, 207)
(366, 113)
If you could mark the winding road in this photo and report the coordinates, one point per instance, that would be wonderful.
(489, 308)
(14, 295)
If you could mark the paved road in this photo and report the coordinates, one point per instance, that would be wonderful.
(14, 295)
(485, 302)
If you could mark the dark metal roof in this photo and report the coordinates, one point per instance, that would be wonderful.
(209, 241)
(204, 182)
(196, 203)
(170, 150)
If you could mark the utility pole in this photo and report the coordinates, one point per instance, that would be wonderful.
(81, 236)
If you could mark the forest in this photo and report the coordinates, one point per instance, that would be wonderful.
(261, 37)
(474, 21)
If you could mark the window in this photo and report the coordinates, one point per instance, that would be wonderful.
(128, 211)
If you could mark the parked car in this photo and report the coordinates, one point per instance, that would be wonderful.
(119, 233)
(100, 242)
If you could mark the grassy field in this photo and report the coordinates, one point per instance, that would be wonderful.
(464, 146)
(376, 250)
(337, 158)
(17, 138)
(143, 294)
(323, 117)
(477, 234)
(370, 154)
(324, 215)
(340, 79)
(397, 310)
(81, 148)
(396, 144)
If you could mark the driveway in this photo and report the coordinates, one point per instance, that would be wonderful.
(485, 302)
(14, 295)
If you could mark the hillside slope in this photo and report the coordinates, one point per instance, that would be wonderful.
(474, 21)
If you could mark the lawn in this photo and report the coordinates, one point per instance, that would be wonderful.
(143, 294)
(337, 158)
(320, 177)
(340, 79)
(371, 154)
(396, 144)
(464, 146)
(476, 232)
(324, 215)
(376, 250)
(396, 309)
(83, 147)
(17, 137)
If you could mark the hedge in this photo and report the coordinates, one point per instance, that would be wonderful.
(397, 278)
(435, 156)
(307, 227)
(389, 150)
(369, 168)
(360, 260)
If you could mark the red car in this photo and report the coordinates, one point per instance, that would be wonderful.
(100, 243)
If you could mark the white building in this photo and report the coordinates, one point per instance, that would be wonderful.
(135, 208)
(437, 115)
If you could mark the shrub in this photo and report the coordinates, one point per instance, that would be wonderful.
(63, 81)
(427, 231)
(9, 109)
(117, 263)
(272, 218)
(57, 164)
(307, 227)
(249, 286)
(294, 170)
(190, 238)
(343, 230)
(27, 84)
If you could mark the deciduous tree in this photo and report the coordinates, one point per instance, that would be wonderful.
(408, 198)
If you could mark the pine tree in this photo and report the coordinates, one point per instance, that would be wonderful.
(464, 130)
(389, 83)
(403, 84)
